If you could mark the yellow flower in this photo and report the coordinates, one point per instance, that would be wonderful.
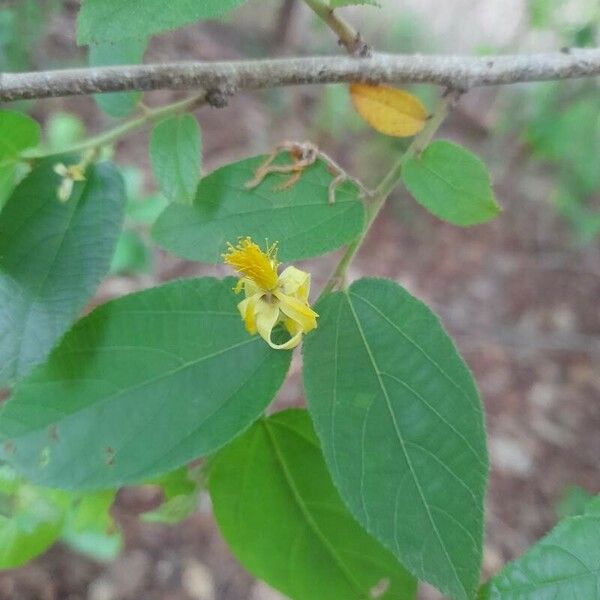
(69, 176)
(271, 298)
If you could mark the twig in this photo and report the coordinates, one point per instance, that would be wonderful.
(284, 22)
(112, 135)
(304, 154)
(455, 72)
(347, 35)
(389, 182)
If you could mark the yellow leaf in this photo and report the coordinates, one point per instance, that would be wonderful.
(388, 110)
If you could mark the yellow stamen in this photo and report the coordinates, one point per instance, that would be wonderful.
(251, 262)
(270, 298)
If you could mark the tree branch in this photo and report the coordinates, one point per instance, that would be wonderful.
(455, 72)
(347, 35)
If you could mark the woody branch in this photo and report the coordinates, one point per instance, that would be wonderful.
(455, 72)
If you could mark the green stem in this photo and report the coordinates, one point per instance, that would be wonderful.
(387, 185)
(345, 32)
(112, 135)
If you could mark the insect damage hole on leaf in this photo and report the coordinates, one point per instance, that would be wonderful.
(109, 456)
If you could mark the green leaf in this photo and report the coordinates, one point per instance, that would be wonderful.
(283, 519)
(401, 427)
(8, 175)
(132, 255)
(573, 502)
(180, 497)
(541, 12)
(63, 130)
(593, 506)
(115, 20)
(52, 257)
(564, 564)
(91, 511)
(99, 546)
(32, 527)
(17, 132)
(89, 527)
(144, 211)
(9, 480)
(140, 386)
(124, 52)
(300, 217)
(570, 137)
(451, 183)
(37, 516)
(22, 27)
(174, 510)
(175, 483)
(175, 157)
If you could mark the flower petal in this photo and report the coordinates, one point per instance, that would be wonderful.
(298, 311)
(292, 327)
(250, 288)
(248, 309)
(295, 282)
(266, 315)
(65, 189)
(295, 332)
(291, 343)
(60, 169)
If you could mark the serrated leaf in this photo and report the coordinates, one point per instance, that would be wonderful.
(124, 52)
(175, 157)
(564, 564)
(299, 217)
(278, 510)
(17, 133)
(52, 257)
(115, 20)
(140, 386)
(451, 183)
(401, 427)
(388, 110)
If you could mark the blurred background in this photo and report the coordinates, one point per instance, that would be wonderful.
(521, 295)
